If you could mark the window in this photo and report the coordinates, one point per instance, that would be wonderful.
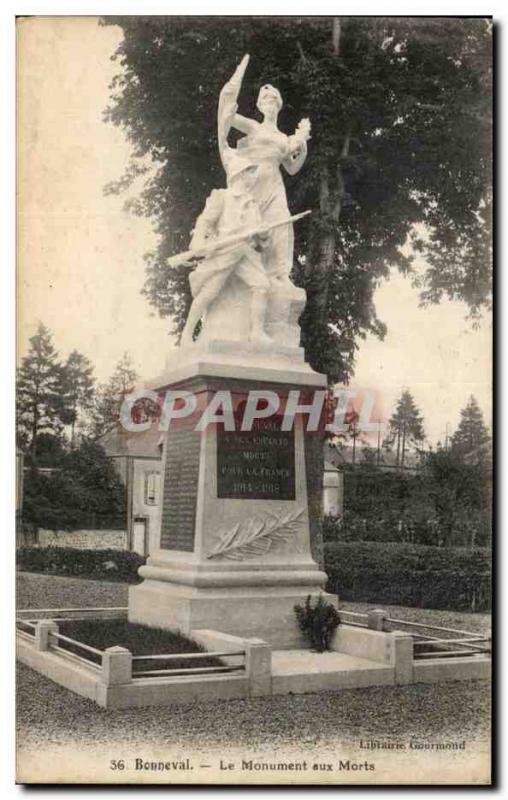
(151, 488)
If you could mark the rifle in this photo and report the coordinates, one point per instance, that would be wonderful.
(228, 242)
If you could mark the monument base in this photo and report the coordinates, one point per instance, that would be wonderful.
(262, 612)
(234, 549)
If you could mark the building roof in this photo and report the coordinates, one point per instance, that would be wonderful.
(344, 455)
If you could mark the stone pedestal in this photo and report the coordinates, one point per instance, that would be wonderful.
(234, 550)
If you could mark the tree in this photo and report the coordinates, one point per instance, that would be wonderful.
(351, 434)
(406, 426)
(85, 492)
(105, 411)
(42, 405)
(460, 497)
(472, 432)
(370, 456)
(51, 450)
(400, 151)
(80, 384)
(352, 420)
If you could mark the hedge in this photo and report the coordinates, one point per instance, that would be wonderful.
(450, 578)
(413, 525)
(373, 572)
(121, 565)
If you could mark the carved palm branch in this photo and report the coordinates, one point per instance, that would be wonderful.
(256, 536)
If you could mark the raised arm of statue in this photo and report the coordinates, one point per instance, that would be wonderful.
(244, 124)
(226, 113)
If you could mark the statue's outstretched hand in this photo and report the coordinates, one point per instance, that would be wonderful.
(303, 130)
(298, 141)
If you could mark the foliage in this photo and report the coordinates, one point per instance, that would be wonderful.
(79, 387)
(106, 564)
(406, 426)
(105, 410)
(42, 405)
(370, 456)
(50, 395)
(51, 450)
(318, 622)
(410, 575)
(400, 151)
(352, 434)
(460, 493)
(471, 433)
(444, 503)
(85, 492)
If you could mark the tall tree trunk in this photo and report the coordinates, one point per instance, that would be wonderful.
(73, 424)
(403, 444)
(398, 448)
(318, 266)
(331, 196)
(35, 428)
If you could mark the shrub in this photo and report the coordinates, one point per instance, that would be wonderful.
(317, 622)
(444, 503)
(411, 575)
(85, 492)
(119, 565)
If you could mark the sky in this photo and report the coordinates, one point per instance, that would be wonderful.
(80, 254)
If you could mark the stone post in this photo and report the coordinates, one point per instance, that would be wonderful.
(332, 491)
(42, 630)
(377, 619)
(402, 656)
(116, 666)
(258, 664)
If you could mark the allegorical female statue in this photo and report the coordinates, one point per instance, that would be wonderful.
(268, 148)
(242, 292)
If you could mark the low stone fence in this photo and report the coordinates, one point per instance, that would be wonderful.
(115, 677)
(363, 653)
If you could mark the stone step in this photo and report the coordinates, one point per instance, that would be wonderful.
(301, 671)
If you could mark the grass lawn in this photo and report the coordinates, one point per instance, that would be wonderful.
(49, 714)
(139, 639)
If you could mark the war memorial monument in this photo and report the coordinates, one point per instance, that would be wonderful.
(239, 499)
(234, 549)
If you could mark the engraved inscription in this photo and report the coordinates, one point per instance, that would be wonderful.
(258, 464)
(180, 491)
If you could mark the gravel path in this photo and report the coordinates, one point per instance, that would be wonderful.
(49, 714)
(49, 591)
(456, 710)
(476, 623)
